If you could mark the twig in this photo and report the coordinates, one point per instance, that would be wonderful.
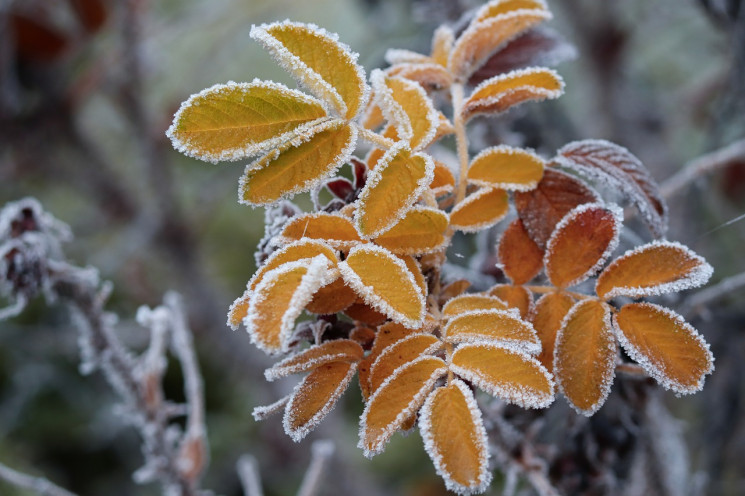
(321, 452)
(39, 485)
(249, 474)
(697, 301)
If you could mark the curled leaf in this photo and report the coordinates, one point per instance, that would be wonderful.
(549, 313)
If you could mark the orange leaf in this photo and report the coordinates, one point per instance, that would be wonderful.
(336, 230)
(507, 168)
(296, 250)
(362, 312)
(363, 335)
(585, 356)
(480, 210)
(422, 230)
(455, 288)
(431, 76)
(387, 334)
(385, 283)
(493, 326)
(338, 350)
(455, 438)
(373, 117)
(315, 396)
(416, 271)
(333, 297)
(298, 165)
(500, 93)
(396, 400)
(442, 43)
(443, 182)
(515, 296)
(652, 269)
(506, 374)
(550, 310)
(399, 178)
(317, 59)
(471, 302)
(400, 353)
(668, 348)
(581, 243)
(499, 7)
(238, 310)
(520, 258)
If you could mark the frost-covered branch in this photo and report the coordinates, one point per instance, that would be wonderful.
(39, 485)
(321, 452)
(248, 472)
(704, 164)
(699, 300)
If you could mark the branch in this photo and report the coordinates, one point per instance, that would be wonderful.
(249, 474)
(705, 164)
(694, 304)
(39, 485)
(321, 452)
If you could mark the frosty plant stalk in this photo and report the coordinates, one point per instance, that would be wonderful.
(369, 263)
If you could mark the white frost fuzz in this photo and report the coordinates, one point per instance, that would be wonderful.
(434, 450)
(530, 346)
(263, 412)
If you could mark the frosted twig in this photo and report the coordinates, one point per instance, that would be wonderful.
(39, 485)
(321, 452)
(701, 299)
(248, 472)
(703, 165)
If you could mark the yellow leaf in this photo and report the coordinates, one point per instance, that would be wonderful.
(298, 165)
(392, 187)
(507, 168)
(398, 354)
(520, 258)
(550, 310)
(422, 230)
(315, 396)
(455, 288)
(296, 250)
(585, 356)
(373, 116)
(500, 93)
(234, 121)
(332, 298)
(416, 271)
(387, 334)
(506, 374)
(516, 297)
(442, 44)
(471, 302)
(443, 182)
(376, 154)
(396, 400)
(319, 61)
(494, 326)
(652, 269)
(238, 310)
(338, 350)
(455, 439)
(385, 283)
(335, 230)
(668, 348)
(498, 7)
(581, 243)
(480, 210)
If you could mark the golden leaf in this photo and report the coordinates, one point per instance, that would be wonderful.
(520, 258)
(442, 43)
(387, 334)
(429, 75)
(398, 354)
(455, 438)
(332, 298)
(416, 271)
(581, 243)
(480, 210)
(507, 168)
(362, 312)
(335, 230)
(315, 396)
(422, 230)
(471, 302)
(652, 269)
(319, 61)
(455, 288)
(338, 350)
(506, 374)
(443, 181)
(399, 178)
(385, 283)
(396, 400)
(234, 121)
(515, 296)
(494, 326)
(299, 164)
(668, 348)
(296, 250)
(238, 310)
(550, 310)
(498, 7)
(585, 356)
(373, 116)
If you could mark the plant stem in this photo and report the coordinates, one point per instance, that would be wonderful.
(461, 140)
(375, 138)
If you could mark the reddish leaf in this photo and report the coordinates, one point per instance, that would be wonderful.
(520, 258)
(550, 311)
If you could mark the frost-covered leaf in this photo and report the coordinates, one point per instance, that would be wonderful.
(455, 439)
(400, 396)
(422, 230)
(504, 373)
(280, 297)
(298, 165)
(336, 230)
(494, 326)
(416, 271)
(341, 188)
(665, 345)
(399, 353)
(542, 208)
(616, 166)
(652, 269)
(429, 75)
(471, 302)
(238, 310)
(387, 334)
(484, 37)
(260, 413)
(507, 168)
(581, 243)
(500, 93)
(338, 350)
(237, 120)
(515, 296)
(519, 257)
(363, 335)
(315, 397)
(362, 312)
(296, 250)
(442, 43)
(585, 356)
(400, 56)
(399, 178)
(549, 313)
(373, 117)
(499, 7)
(406, 105)
(480, 210)
(319, 61)
(331, 298)
(455, 288)
(443, 181)
(385, 283)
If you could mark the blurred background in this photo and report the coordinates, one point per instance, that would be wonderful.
(87, 90)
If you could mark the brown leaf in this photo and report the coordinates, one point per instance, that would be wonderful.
(520, 258)
(332, 298)
(515, 296)
(338, 350)
(362, 312)
(399, 353)
(455, 288)
(549, 312)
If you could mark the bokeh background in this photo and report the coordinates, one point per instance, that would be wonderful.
(87, 90)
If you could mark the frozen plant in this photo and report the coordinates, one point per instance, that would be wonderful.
(369, 263)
